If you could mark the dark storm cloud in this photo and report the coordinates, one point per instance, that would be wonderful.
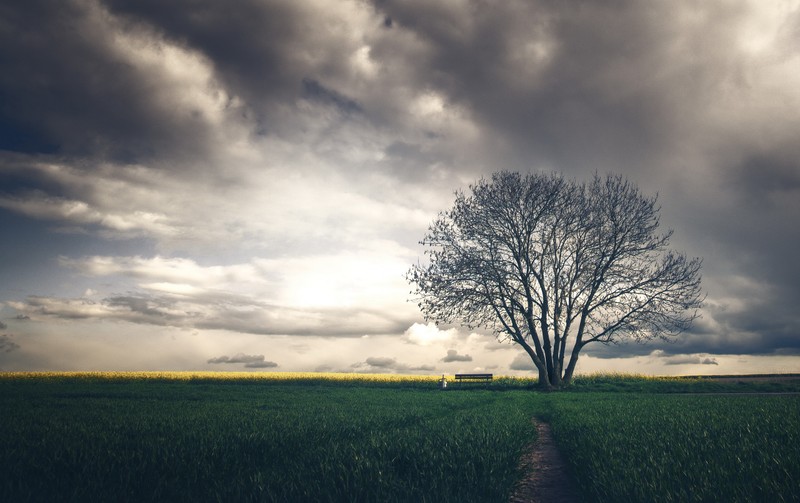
(748, 331)
(574, 85)
(671, 94)
(270, 54)
(313, 90)
(624, 87)
(71, 84)
(174, 86)
(253, 43)
(409, 158)
(281, 57)
(563, 82)
(19, 178)
(765, 175)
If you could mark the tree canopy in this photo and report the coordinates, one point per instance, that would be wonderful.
(553, 265)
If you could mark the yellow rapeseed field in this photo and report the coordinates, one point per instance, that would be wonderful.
(255, 376)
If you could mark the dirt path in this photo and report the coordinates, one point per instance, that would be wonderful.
(547, 479)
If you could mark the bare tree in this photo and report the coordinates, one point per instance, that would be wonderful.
(553, 265)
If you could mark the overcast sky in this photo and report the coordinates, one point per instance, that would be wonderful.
(195, 185)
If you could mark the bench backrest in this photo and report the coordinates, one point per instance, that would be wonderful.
(473, 376)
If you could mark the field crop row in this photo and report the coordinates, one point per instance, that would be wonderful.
(156, 441)
(681, 448)
(162, 438)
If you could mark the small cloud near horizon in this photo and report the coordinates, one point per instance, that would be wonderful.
(250, 361)
(453, 356)
(522, 362)
(684, 359)
(384, 363)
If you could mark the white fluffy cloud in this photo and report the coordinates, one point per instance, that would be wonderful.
(428, 334)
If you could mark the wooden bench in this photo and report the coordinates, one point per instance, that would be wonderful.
(485, 378)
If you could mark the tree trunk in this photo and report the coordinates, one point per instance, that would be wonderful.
(555, 380)
(573, 361)
(541, 366)
(544, 381)
(558, 365)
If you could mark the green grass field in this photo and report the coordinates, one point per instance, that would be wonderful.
(260, 437)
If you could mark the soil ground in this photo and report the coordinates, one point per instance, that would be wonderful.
(547, 478)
